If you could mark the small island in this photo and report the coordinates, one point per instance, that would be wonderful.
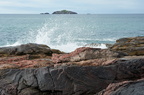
(44, 13)
(64, 12)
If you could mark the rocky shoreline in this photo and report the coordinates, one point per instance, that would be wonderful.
(36, 69)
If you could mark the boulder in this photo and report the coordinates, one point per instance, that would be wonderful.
(85, 53)
(24, 49)
(70, 80)
(64, 12)
(131, 46)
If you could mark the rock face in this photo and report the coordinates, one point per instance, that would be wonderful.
(85, 53)
(69, 80)
(131, 46)
(64, 12)
(125, 88)
(24, 49)
(23, 62)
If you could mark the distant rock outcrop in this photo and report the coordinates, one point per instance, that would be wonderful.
(64, 12)
(44, 13)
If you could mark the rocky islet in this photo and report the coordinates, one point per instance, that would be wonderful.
(61, 12)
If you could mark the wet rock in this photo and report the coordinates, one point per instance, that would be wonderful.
(109, 45)
(85, 53)
(131, 46)
(24, 49)
(56, 51)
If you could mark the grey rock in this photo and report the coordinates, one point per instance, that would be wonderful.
(69, 80)
(23, 49)
(125, 88)
(133, 46)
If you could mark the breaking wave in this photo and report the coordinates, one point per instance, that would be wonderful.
(58, 37)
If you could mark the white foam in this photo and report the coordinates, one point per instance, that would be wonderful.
(69, 47)
(95, 45)
(63, 41)
(44, 35)
(88, 39)
(14, 44)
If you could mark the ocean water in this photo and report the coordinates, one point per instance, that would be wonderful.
(68, 32)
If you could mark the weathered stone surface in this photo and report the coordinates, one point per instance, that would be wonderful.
(30, 48)
(135, 87)
(69, 80)
(85, 53)
(131, 46)
(91, 62)
(23, 62)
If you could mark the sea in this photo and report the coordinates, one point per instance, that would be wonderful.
(68, 32)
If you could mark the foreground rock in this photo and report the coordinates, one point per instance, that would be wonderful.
(24, 49)
(86, 53)
(69, 80)
(64, 12)
(131, 46)
(125, 88)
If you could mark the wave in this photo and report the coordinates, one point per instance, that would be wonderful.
(58, 37)
(69, 47)
(14, 44)
(96, 45)
(102, 39)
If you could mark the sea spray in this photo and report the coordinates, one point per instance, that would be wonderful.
(57, 37)
(68, 32)
(51, 37)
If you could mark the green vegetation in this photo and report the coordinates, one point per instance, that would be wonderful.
(64, 12)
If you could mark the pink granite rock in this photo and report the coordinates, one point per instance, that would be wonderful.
(23, 62)
(134, 87)
(85, 53)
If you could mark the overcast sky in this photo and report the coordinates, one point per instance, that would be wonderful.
(80, 6)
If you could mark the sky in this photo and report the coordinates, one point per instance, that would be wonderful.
(79, 6)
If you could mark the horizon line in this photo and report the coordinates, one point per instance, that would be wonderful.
(71, 14)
